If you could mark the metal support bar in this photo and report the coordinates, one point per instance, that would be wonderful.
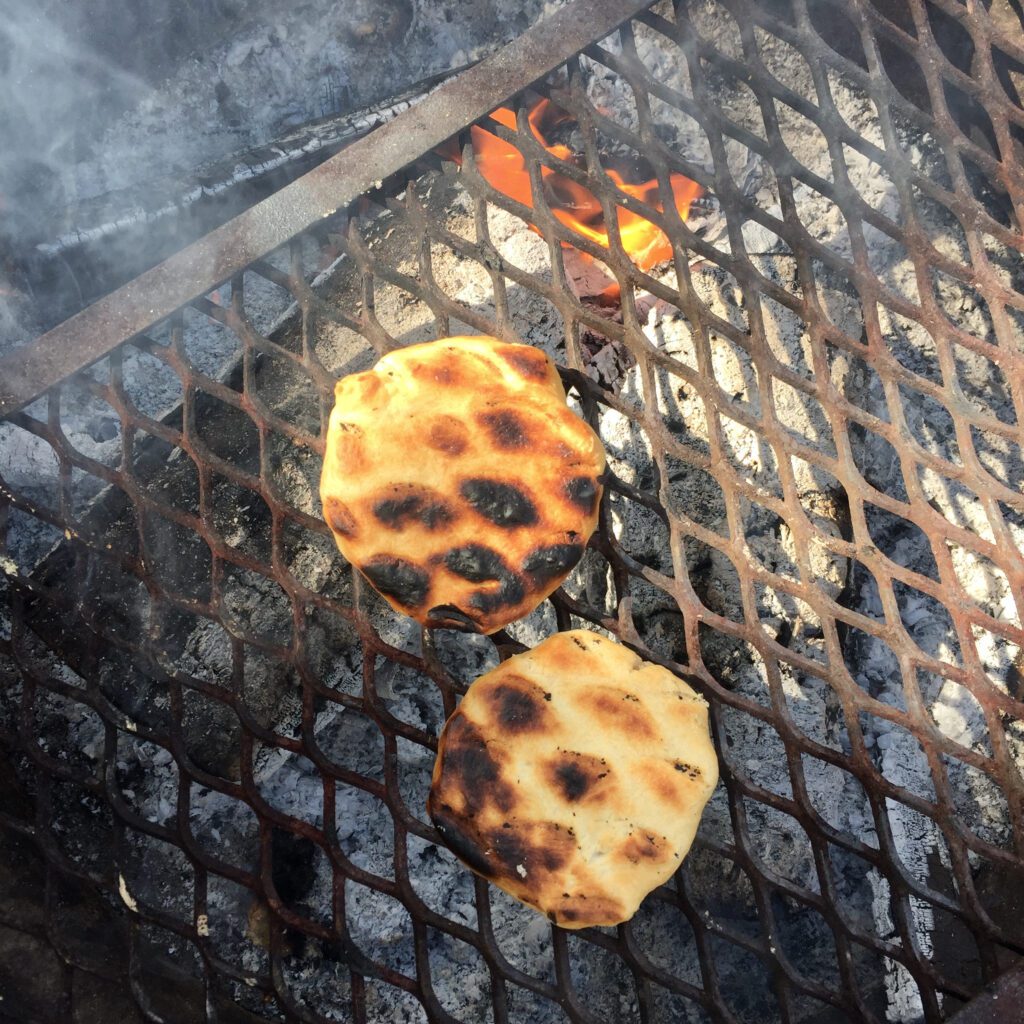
(28, 372)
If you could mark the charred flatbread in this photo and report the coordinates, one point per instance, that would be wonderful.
(458, 482)
(573, 776)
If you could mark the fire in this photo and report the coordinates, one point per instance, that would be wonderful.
(503, 167)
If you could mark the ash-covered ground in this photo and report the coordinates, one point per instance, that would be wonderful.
(156, 874)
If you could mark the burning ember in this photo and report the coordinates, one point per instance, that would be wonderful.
(503, 167)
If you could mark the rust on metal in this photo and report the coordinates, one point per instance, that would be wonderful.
(224, 252)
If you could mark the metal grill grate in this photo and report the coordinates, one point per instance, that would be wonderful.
(218, 743)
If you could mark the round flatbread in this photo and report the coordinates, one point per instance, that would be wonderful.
(458, 481)
(574, 776)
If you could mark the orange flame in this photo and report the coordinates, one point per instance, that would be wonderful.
(503, 167)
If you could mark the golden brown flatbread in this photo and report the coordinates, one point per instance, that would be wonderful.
(458, 481)
(574, 776)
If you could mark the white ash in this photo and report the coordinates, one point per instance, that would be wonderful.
(899, 757)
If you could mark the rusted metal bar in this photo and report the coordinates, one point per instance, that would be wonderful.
(28, 372)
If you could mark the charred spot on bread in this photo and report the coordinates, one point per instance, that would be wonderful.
(476, 563)
(472, 770)
(339, 518)
(509, 594)
(576, 775)
(397, 578)
(510, 851)
(447, 616)
(582, 492)
(413, 504)
(663, 782)
(538, 848)
(395, 512)
(369, 384)
(516, 707)
(436, 515)
(444, 374)
(458, 840)
(642, 846)
(528, 362)
(480, 564)
(449, 435)
(503, 504)
(571, 780)
(556, 846)
(506, 428)
(577, 911)
(548, 563)
(620, 714)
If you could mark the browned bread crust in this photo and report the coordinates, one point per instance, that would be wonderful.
(573, 776)
(458, 482)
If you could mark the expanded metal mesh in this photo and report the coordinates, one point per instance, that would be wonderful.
(218, 742)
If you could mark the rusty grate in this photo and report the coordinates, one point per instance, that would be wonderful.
(218, 743)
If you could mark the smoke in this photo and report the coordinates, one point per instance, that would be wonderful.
(107, 97)
(55, 87)
(112, 111)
